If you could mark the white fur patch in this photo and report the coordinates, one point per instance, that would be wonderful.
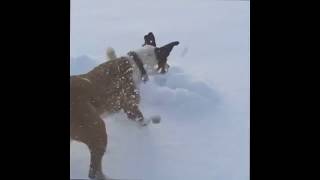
(148, 58)
(136, 72)
(86, 79)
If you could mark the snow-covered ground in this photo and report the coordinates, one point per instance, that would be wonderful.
(203, 100)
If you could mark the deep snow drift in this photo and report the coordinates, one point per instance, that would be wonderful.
(203, 100)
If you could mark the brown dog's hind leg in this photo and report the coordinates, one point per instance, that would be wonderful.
(90, 129)
(97, 145)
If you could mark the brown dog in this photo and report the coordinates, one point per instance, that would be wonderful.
(110, 87)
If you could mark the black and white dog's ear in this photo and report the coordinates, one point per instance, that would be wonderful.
(149, 39)
(164, 51)
(162, 54)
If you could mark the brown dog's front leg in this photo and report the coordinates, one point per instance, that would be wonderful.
(131, 108)
(133, 112)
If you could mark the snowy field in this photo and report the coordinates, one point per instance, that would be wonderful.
(203, 100)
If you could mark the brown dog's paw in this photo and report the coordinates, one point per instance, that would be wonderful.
(154, 119)
(98, 176)
(145, 122)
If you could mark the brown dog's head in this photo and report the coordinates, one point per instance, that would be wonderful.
(161, 53)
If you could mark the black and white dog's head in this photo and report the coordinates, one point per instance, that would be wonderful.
(155, 59)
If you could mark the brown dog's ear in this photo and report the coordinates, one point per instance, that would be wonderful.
(149, 39)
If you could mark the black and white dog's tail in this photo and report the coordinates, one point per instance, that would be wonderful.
(111, 54)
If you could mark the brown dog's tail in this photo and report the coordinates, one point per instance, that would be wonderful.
(111, 54)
